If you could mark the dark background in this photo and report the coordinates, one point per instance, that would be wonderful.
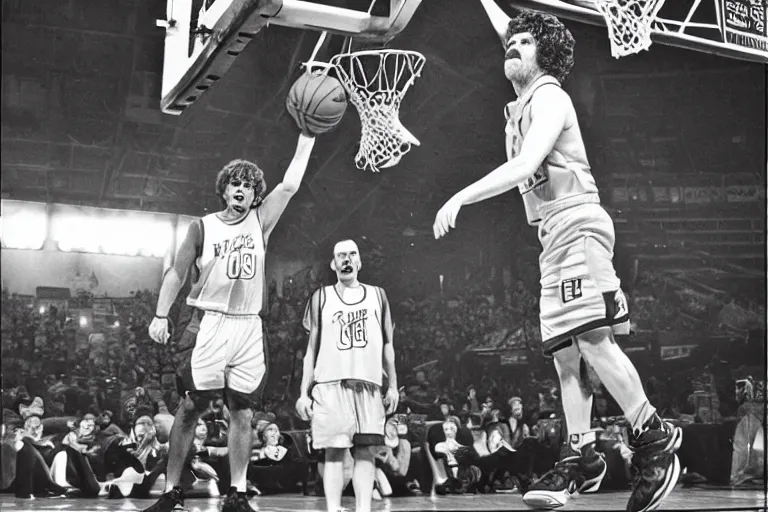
(81, 124)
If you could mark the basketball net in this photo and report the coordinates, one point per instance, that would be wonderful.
(377, 98)
(630, 24)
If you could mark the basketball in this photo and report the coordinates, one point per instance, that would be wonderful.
(316, 102)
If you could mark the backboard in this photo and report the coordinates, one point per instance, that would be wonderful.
(204, 37)
(731, 28)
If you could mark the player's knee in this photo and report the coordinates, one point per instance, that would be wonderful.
(594, 339)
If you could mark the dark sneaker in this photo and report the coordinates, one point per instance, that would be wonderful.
(168, 502)
(658, 468)
(578, 473)
(236, 502)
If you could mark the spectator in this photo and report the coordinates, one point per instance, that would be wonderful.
(472, 403)
(519, 430)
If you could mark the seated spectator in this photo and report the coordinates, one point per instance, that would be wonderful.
(446, 409)
(549, 402)
(12, 400)
(82, 438)
(204, 459)
(472, 405)
(271, 450)
(103, 451)
(452, 453)
(487, 408)
(69, 466)
(498, 433)
(24, 471)
(450, 446)
(106, 427)
(279, 465)
(517, 426)
(394, 461)
(141, 444)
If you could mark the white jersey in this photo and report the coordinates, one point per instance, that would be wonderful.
(351, 340)
(564, 178)
(231, 267)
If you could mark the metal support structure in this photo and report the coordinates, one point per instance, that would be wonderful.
(667, 32)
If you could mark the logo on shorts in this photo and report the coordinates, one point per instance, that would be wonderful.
(570, 289)
(352, 326)
(620, 303)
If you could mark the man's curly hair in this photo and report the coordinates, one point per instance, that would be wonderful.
(245, 171)
(554, 42)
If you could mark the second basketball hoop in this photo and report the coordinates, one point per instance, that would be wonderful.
(376, 81)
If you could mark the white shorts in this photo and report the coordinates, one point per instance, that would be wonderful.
(228, 353)
(346, 414)
(579, 287)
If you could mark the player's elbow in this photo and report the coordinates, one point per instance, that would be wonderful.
(290, 187)
(173, 276)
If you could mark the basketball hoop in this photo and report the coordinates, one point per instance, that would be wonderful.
(629, 24)
(377, 98)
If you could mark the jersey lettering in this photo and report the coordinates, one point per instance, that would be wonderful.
(352, 329)
(222, 249)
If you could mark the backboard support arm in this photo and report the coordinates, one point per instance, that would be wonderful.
(229, 25)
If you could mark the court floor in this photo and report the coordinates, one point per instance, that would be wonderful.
(681, 499)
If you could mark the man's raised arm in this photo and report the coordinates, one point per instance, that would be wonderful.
(499, 20)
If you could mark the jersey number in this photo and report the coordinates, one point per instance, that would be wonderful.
(240, 265)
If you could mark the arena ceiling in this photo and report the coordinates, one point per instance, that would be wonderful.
(81, 122)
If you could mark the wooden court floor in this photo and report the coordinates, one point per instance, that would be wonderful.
(681, 499)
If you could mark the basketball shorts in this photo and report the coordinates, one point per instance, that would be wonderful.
(346, 414)
(226, 353)
(579, 287)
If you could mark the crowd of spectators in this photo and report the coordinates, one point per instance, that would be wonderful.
(109, 375)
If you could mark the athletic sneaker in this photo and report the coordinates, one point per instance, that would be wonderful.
(658, 468)
(168, 502)
(577, 473)
(236, 502)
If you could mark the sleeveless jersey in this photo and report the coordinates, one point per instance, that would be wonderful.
(351, 338)
(564, 178)
(231, 267)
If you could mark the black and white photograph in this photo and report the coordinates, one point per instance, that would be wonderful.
(384, 255)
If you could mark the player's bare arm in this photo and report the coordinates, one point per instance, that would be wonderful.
(304, 403)
(550, 111)
(393, 395)
(499, 19)
(276, 201)
(173, 280)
